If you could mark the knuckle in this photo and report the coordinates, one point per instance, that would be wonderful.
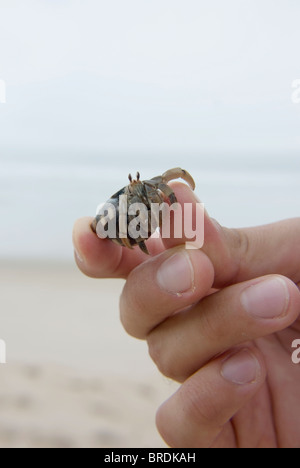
(123, 312)
(241, 249)
(163, 357)
(155, 349)
(128, 312)
(197, 404)
(211, 324)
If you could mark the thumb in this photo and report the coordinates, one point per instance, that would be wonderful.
(252, 252)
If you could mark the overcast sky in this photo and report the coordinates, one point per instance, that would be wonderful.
(156, 74)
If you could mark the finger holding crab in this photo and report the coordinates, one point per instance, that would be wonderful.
(141, 195)
(98, 258)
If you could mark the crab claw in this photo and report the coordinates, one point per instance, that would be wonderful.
(178, 173)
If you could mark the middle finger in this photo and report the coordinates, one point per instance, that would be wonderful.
(234, 315)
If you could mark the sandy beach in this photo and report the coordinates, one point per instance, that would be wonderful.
(73, 377)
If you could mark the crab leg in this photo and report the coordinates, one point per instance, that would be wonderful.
(126, 243)
(167, 192)
(178, 173)
(143, 247)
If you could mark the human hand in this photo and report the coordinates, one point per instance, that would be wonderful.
(240, 387)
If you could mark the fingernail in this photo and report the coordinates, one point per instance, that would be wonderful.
(176, 274)
(267, 299)
(78, 256)
(241, 368)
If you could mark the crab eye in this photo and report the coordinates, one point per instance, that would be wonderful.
(130, 178)
(138, 176)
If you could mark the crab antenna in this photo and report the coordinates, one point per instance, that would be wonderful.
(138, 176)
(130, 178)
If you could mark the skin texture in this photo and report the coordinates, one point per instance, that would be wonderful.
(226, 335)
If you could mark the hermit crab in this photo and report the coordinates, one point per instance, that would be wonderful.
(147, 193)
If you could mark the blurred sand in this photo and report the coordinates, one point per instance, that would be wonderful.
(73, 377)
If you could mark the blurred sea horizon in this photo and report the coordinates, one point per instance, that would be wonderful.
(43, 193)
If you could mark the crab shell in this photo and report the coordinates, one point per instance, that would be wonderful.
(155, 190)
